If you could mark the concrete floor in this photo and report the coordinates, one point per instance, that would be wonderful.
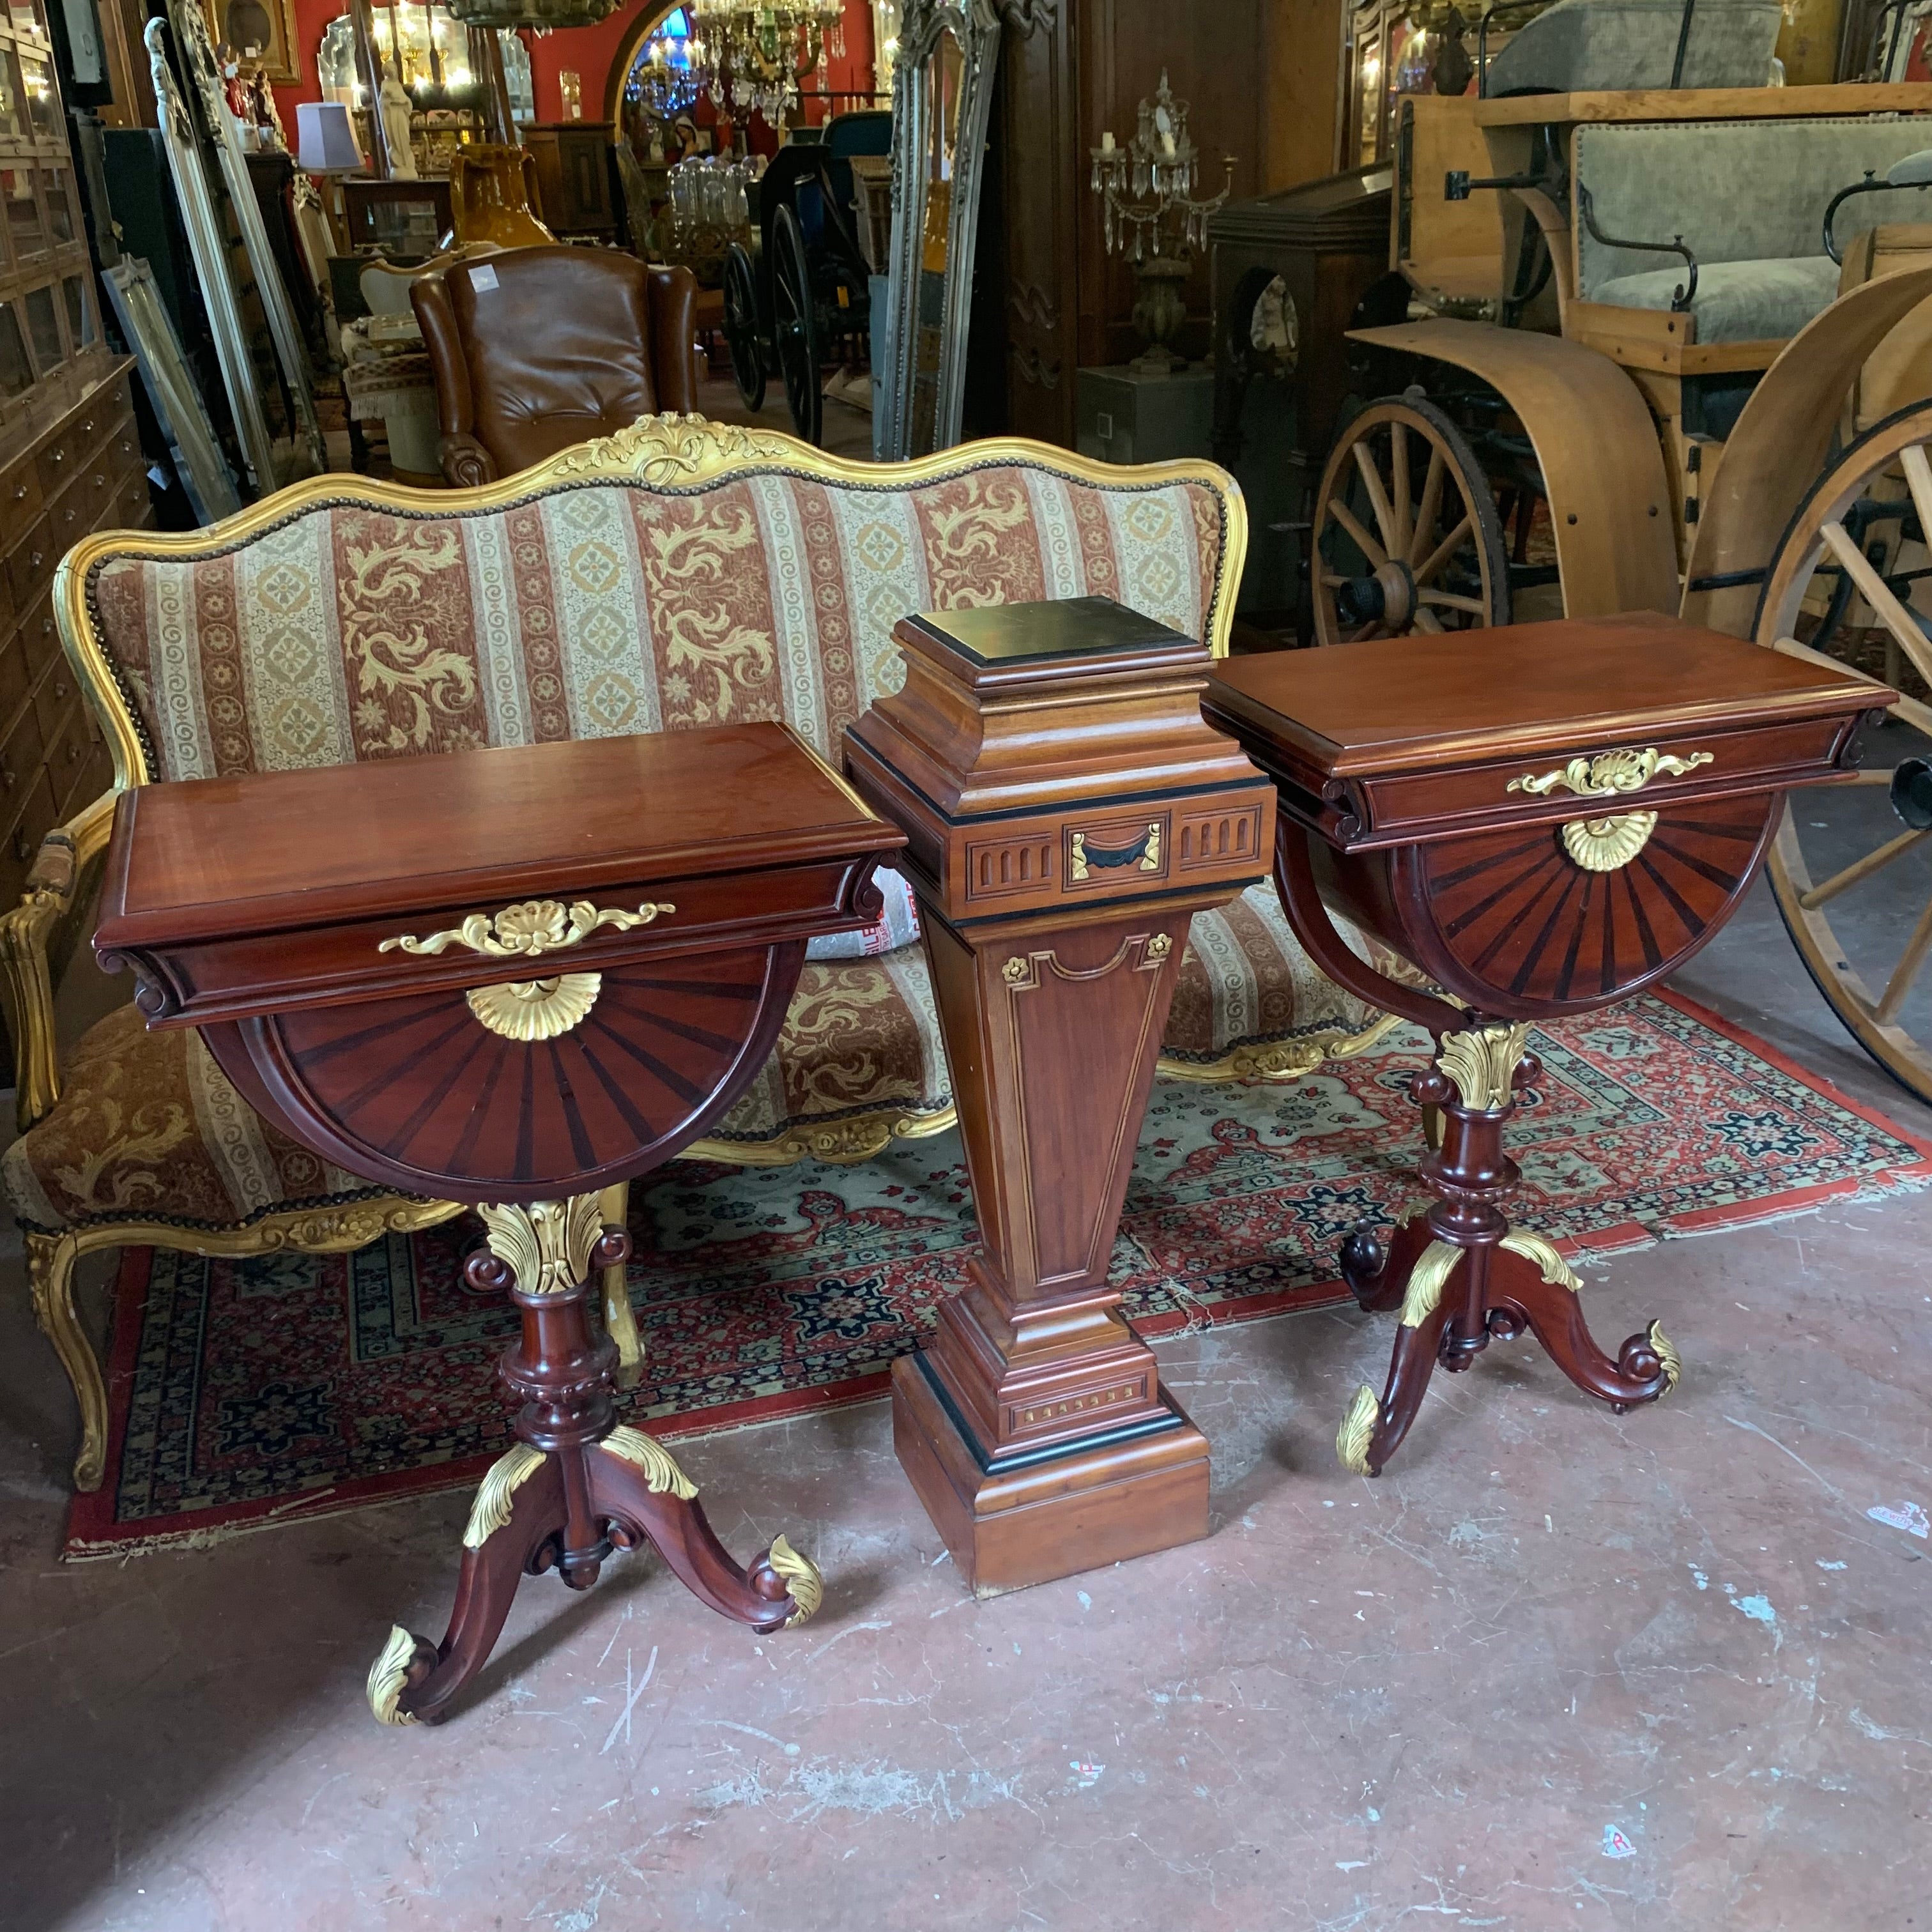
(1556, 1669)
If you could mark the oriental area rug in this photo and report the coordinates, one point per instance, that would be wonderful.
(248, 1394)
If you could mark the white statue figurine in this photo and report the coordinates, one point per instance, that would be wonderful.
(394, 106)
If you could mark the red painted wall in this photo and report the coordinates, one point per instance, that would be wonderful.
(588, 50)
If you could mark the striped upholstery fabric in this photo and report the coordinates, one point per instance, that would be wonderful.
(350, 633)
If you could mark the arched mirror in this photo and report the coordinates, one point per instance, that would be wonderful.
(942, 95)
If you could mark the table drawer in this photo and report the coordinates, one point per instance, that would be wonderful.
(20, 498)
(133, 507)
(60, 456)
(70, 515)
(69, 752)
(21, 758)
(35, 819)
(1117, 851)
(54, 697)
(39, 636)
(17, 675)
(1538, 785)
(30, 563)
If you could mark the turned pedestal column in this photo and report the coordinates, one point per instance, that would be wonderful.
(1067, 812)
(512, 978)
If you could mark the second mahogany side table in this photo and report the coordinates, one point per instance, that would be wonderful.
(511, 977)
(1068, 813)
(1543, 819)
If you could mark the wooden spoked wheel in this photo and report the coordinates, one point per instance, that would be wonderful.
(795, 324)
(1848, 583)
(742, 336)
(1407, 540)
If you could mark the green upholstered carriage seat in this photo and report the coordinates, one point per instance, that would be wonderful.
(1582, 46)
(1749, 198)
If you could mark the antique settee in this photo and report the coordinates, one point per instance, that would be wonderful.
(675, 574)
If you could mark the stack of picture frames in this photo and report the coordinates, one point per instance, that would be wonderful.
(258, 344)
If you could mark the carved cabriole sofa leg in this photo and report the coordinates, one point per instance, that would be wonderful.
(50, 1262)
(51, 1258)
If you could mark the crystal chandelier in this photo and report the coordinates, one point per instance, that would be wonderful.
(1150, 213)
(755, 56)
(664, 81)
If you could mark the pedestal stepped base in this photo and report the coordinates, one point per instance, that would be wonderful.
(578, 1486)
(1413, 801)
(1067, 813)
(468, 1064)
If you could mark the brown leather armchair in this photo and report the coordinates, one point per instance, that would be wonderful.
(536, 349)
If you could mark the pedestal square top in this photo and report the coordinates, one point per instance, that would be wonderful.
(1409, 703)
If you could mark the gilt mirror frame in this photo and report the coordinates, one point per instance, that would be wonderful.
(207, 249)
(974, 27)
(202, 68)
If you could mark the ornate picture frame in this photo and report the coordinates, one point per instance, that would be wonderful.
(241, 24)
(943, 84)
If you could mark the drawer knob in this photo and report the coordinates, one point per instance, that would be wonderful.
(6, 778)
(60, 687)
(58, 455)
(100, 478)
(72, 753)
(1610, 772)
(1143, 852)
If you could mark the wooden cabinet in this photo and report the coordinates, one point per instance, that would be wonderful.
(51, 349)
(574, 177)
(85, 472)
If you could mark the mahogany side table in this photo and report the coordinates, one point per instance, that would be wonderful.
(1068, 812)
(1543, 819)
(510, 977)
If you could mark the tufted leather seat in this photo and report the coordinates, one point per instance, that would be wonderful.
(534, 350)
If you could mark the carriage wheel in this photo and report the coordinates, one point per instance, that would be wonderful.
(741, 326)
(1407, 539)
(1845, 585)
(795, 324)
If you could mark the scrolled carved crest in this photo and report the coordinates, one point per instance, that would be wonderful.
(672, 448)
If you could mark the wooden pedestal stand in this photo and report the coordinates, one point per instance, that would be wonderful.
(353, 989)
(1431, 793)
(1067, 813)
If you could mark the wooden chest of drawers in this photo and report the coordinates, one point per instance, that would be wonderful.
(85, 473)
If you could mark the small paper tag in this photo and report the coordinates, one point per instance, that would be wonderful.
(482, 278)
